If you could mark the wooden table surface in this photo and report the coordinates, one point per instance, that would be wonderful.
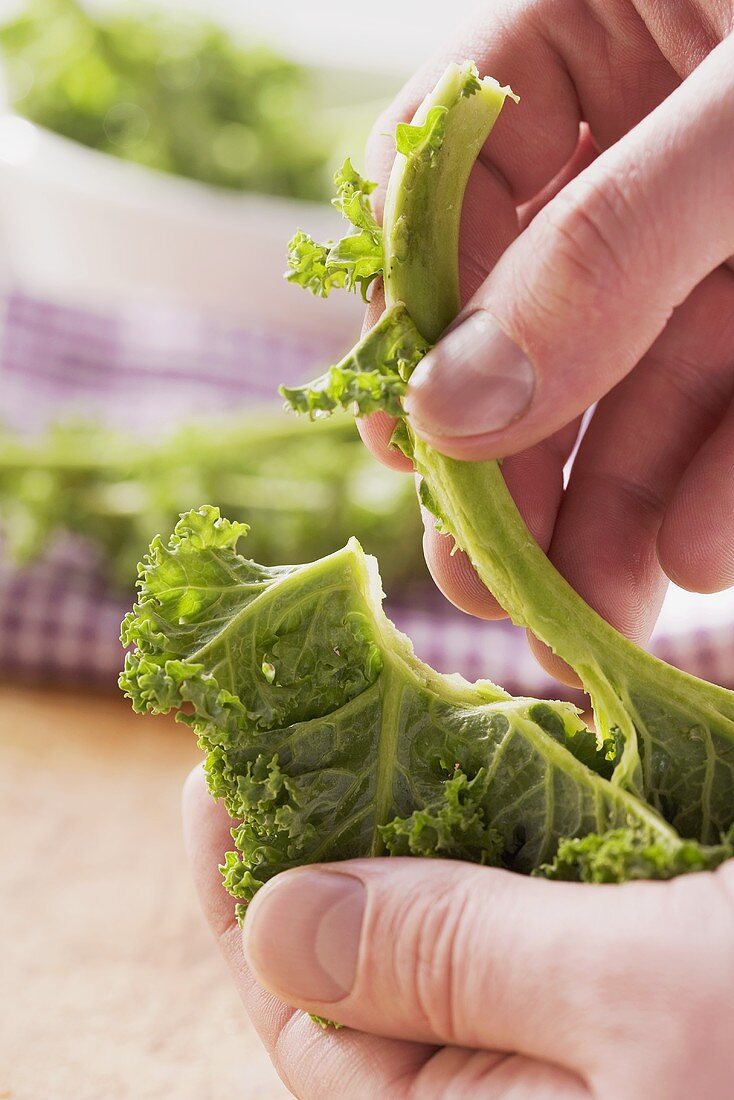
(110, 984)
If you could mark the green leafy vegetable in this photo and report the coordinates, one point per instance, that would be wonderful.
(372, 376)
(620, 855)
(172, 92)
(355, 261)
(327, 738)
(304, 490)
(323, 1023)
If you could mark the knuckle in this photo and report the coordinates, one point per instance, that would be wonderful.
(680, 993)
(639, 500)
(589, 222)
(706, 391)
(429, 957)
(593, 232)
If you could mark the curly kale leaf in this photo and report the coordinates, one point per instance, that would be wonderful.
(352, 198)
(327, 738)
(353, 262)
(453, 827)
(621, 855)
(372, 376)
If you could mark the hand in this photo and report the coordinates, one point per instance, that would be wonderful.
(620, 289)
(456, 981)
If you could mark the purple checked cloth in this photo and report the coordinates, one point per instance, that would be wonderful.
(58, 619)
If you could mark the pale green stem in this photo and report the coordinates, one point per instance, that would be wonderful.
(421, 231)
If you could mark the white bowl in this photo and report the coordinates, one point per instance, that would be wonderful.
(84, 228)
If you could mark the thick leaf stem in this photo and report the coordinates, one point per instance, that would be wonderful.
(671, 727)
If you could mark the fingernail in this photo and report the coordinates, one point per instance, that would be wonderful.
(301, 934)
(475, 380)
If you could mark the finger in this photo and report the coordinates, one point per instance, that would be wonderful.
(356, 1066)
(558, 322)
(436, 951)
(552, 664)
(535, 479)
(585, 154)
(637, 446)
(696, 540)
(311, 1062)
(314, 1063)
(567, 61)
(376, 432)
(640, 440)
(484, 1075)
(207, 836)
(454, 575)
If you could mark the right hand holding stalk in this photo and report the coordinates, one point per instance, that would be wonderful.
(614, 286)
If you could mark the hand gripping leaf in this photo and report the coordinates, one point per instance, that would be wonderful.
(327, 738)
(676, 733)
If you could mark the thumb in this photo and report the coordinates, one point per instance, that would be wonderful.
(449, 953)
(577, 299)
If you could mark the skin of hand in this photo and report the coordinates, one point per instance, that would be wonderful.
(596, 245)
(459, 982)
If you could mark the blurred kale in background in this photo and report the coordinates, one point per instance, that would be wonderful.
(303, 490)
(181, 95)
(177, 94)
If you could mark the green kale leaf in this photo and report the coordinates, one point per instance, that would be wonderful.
(372, 376)
(356, 260)
(327, 738)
